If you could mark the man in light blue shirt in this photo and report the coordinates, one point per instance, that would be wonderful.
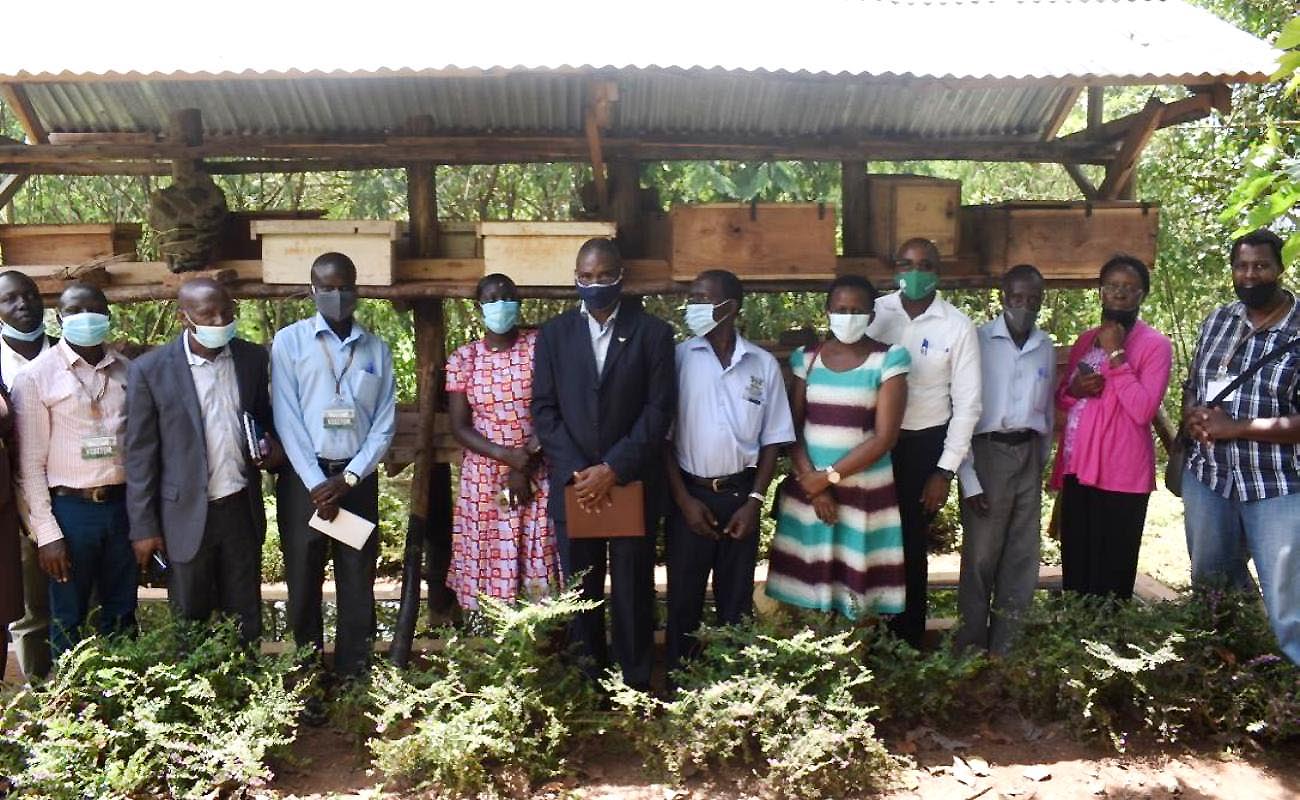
(334, 403)
(733, 417)
(1001, 478)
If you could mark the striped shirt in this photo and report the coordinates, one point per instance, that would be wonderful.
(1241, 468)
(52, 398)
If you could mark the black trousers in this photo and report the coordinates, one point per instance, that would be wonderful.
(305, 553)
(631, 564)
(225, 576)
(915, 457)
(691, 558)
(1101, 534)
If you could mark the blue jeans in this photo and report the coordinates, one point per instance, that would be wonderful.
(96, 536)
(1223, 533)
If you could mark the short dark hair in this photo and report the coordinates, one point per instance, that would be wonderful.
(1125, 261)
(496, 278)
(732, 288)
(17, 275)
(332, 260)
(1020, 271)
(600, 246)
(851, 282)
(931, 249)
(1260, 237)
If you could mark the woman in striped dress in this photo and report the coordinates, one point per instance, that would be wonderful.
(839, 540)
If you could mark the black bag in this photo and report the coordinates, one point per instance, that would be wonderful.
(1178, 448)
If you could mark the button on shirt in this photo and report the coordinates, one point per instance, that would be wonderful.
(218, 390)
(1241, 468)
(54, 417)
(12, 362)
(302, 388)
(725, 415)
(944, 384)
(601, 335)
(1018, 384)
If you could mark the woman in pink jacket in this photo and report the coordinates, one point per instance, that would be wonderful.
(1105, 464)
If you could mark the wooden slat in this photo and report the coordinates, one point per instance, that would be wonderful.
(15, 96)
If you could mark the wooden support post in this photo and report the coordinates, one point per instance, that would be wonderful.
(600, 96)
(625, 206)
(854, 205)
(1086, 186)
(16, 98)
(1119, 181)
(1096, 108)
(185, 127)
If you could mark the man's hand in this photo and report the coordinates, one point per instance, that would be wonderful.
(698, 517)
(273, 457)
(517, 458)
(328, 511)
(144, 548)
(978, 503)
(592, 486)
(1086, 384)
(814, 482)
(744, 522)
(827, 510)
(519, 488)
(1110, 336)
(53, 558)
(935, 493)
(329, 492)
(1209, 425)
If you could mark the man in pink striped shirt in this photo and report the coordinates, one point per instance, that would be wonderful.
(71, 406)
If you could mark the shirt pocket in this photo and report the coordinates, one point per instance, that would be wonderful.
(65, 399)
(365, 389)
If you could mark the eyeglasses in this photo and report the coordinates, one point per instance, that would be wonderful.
(924, 264)
(606, 282)
(1119, 290)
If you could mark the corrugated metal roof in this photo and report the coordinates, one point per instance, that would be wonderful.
(937, 70)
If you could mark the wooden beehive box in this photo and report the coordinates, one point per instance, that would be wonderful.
(537, 253)
(238, 244)
(290, 246)
(771, 241)
(1064, 240)
(458, 239)
(67, 244)
(903, 207)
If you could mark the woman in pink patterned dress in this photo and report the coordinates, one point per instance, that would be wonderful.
(502, 542)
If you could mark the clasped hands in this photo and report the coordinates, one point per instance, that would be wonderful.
(592, 486)
(1207, 425)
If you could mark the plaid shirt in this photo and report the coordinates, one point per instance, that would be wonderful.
(1241, 468)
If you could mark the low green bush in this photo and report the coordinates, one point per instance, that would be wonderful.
(181, 711)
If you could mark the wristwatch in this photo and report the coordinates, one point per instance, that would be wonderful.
(350, 478)
(946, 473)
(832, 477)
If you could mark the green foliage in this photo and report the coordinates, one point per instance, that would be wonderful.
(182, 711)
(784, 703)
(487, 715)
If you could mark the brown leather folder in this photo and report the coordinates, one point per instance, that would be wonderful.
(624, 517)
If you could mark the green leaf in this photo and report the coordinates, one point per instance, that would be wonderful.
(1291, 249)
(1290, 35)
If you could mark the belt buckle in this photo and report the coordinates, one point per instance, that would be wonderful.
(713, 484)
(99, 494)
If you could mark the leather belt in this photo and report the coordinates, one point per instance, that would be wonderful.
(724, 484)
(94, 494)
(332, 467)
(228, 499)
(1008, 437)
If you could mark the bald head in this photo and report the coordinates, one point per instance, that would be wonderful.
(203, 301)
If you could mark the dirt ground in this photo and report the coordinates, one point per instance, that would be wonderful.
(1010, 759)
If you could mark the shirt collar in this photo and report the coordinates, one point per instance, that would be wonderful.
(937, 307)
(71, 356)
(742, 347)
(609, 323)
(196, 360)
(5, 347)
(321, 326)
(1238, 309)
(999, 330)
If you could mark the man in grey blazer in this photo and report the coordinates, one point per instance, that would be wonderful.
(193, 488)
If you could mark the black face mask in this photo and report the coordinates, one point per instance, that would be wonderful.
(1257, 296)
(1125, 316)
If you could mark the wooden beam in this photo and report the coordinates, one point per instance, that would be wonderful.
(15, 96)
(600, 96)
(185, 127)
(1086, 186)
(1061, 112)
(1120, 172)
(855, 210)
(1220, 95)
(1096, 111)
(625, 206)
(9, 186)
(1175, 113)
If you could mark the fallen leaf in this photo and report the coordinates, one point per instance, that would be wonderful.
(962, 772)
(979, 766)
(1038, 773)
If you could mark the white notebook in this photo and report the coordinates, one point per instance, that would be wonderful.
(348, 528)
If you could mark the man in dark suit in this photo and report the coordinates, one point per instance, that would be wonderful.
(604, 394)
(193, 488)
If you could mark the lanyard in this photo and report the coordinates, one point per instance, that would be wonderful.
(1249, 333)
(92, 397)
(338, 378)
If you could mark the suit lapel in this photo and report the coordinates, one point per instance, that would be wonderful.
(189, 394)
(623, 325)
(242, 378)
(582, 341)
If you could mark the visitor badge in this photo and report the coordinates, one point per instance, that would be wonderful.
(340, 417)
(102, 446)
(1216, 385)
(754, 392)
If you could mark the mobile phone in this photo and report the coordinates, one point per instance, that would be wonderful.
(1085, 368)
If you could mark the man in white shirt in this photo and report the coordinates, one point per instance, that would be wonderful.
(943, 404)
(733, 417)
(22, 339)
(1001, 478)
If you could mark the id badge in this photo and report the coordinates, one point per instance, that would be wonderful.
(336, 417)
(96, 447)
(1215, 385)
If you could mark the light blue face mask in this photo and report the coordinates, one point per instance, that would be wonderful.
(10, 332)
(500, 316)
(213, 337)
(699, 317)
(86, 329)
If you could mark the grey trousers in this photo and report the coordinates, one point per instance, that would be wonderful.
(1000, 549)
(31, 634)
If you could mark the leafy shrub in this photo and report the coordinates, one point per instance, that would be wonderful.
(911, 686)
(785, 705)
(182, 711)
(488, 715)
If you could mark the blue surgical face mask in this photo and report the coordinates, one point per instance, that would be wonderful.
(213, 337)
(699, 317)
(500, 316)
(600, 296)
(10, 332)
(86, 329)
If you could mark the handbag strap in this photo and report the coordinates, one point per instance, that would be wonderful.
(1268, 358)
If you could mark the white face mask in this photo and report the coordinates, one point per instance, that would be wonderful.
(849, 328)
